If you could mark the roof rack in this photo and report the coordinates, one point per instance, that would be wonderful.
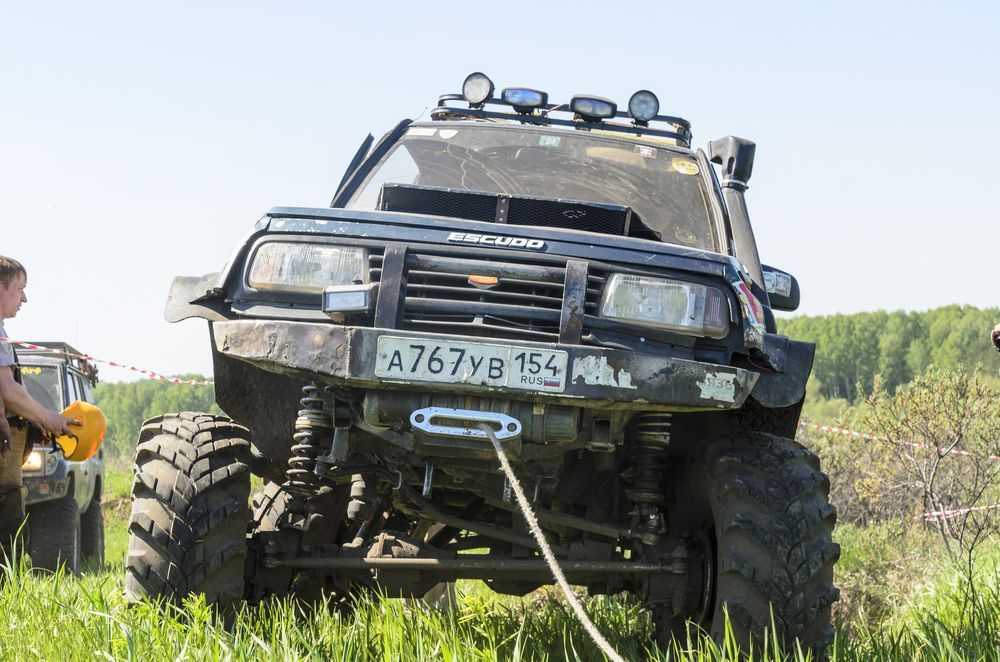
(680, 128)
(74, 357)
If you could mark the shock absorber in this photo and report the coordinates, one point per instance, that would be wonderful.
(313, 434)
(650, 440)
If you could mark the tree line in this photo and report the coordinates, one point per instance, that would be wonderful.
(127, 404)
(898, 346)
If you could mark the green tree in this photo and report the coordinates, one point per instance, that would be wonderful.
(127, 404)
(900, 346)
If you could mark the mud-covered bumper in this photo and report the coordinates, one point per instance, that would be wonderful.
(44, 488)
(595, 377)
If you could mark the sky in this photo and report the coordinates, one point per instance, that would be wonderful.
(139, 142)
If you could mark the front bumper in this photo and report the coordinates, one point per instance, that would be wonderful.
(597, 378)
(44, 488)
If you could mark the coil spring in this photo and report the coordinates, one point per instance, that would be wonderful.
(313, 432)
(650, 440)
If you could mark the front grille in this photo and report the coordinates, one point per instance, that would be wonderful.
(526, 302)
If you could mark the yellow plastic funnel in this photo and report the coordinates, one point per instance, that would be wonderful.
(88, 436)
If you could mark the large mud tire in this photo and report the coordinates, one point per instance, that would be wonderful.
(54, 540)
(187, 530)
(761, 504)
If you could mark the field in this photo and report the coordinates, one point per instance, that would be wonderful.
(916, 597)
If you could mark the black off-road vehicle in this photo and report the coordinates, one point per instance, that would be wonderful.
(63, 502)
(573, 278)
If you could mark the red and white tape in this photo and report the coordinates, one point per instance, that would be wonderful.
(948, 514)
(927, 517)
(148, 373)
(897, 442)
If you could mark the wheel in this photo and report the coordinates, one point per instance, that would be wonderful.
(92, 533)
(274, 510)
(55, 535)
(187, 530)
(756, 514)
(270, 507)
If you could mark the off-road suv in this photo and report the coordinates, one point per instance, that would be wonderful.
(63, 503)
(574, 280)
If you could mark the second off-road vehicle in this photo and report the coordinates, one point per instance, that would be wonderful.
(63, 501)
(574, 281)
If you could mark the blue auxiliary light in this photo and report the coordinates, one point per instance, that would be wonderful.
(523, 99)
(593, 109)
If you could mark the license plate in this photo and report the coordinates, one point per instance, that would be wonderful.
(452, 361)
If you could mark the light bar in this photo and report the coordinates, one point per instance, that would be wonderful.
(524, 99)
(477, 88)
(643, 106)
(593, 109)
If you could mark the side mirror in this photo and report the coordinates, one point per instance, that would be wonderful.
(782, 289)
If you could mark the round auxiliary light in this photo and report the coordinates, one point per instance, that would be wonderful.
(643, 106)
(477, 88)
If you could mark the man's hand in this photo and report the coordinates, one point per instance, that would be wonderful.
(6, 436)
(58, 425)
(995, 337)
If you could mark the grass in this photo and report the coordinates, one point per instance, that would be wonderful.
(59, 617)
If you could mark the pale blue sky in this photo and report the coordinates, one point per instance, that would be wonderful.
(141, 142)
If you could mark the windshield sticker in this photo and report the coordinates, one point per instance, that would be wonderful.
(646, 151)
(684, 166)
(549, 141)
(685, 236)
(29, 370)
(421, 131)
(448, 133)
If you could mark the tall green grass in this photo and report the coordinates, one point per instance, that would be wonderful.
(57, 617)
(54, 617)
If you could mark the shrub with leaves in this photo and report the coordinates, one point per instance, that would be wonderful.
(944, 431)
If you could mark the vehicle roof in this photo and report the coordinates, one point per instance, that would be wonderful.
(57, 345)
(29, 357)
(64, 353)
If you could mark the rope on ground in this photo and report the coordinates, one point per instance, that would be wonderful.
(536, 532)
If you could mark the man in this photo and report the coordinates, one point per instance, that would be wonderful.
(13, 279)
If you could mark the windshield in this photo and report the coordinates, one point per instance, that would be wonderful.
(43, 384)
(661, 185)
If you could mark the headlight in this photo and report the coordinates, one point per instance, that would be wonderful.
(689, 308)
(35, 461)
(309, 268)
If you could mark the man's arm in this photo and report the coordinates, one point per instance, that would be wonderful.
(19, 401)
